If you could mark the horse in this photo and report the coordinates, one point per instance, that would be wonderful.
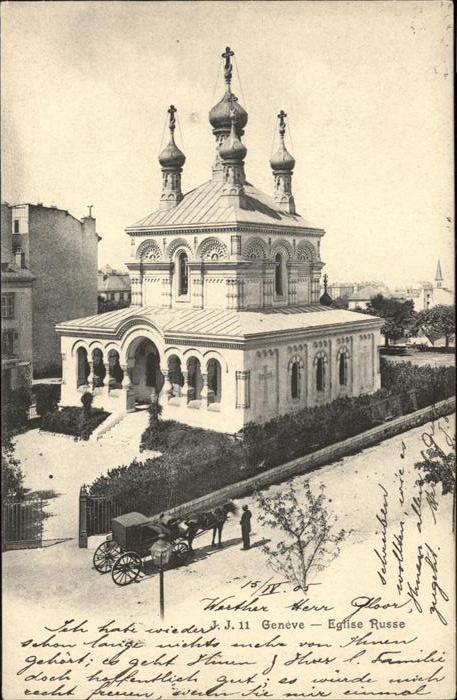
(209, 520)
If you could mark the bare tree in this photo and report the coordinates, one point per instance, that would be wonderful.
(310, 541)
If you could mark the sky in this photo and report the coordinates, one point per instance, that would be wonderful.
(367, 87)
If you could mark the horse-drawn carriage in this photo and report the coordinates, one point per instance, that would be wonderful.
(133, 534)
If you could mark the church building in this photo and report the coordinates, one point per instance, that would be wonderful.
(225, 325)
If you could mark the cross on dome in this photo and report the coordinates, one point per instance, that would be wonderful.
(228, 68)
(172, 121)
(282, 122)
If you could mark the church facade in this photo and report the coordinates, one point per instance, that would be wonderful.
(226, 324)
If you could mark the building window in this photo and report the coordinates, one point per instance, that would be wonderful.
(294, 383)
(278, 274)
(343, 369)
(8, 305)
(16, 225)
(8, 337)
(183, 272)
(320, 374)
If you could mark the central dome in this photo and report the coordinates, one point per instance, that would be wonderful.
(219, 116)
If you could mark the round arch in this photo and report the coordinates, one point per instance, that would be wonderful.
(214, 355)
(305, 252)
(282, 247)
(255, 249)
(212, 248)
(149, 250)
(175, 245)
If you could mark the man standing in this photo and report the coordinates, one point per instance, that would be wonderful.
(245, 523)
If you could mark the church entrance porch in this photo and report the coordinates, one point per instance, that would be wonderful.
(146, 379)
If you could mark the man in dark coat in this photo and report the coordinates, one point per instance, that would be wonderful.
(245, 523)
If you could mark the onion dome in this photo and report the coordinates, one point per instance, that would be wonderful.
(232, 149)
(282, 159)
(172, 157)
(220, 114)
(326, 299)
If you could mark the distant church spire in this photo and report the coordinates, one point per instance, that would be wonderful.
(171, 160)
(220, 114)
(439, 275)
(282, 164)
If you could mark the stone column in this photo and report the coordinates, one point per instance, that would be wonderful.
(90, 378)
(167, 389)
(205, 390)
(128, 389)
(185, 388)
(107, 378)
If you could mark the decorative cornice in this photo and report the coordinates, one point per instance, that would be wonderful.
(241, 227)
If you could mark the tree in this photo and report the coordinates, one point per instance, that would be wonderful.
(439, 468)
(437, 322)
(399, 316)
(309, 538)
(340, 303)
(12, 476)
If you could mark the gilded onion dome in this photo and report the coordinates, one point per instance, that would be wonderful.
(172, 157)
(282, 159)
(219, 115)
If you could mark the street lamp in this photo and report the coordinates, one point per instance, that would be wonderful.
(161, 552)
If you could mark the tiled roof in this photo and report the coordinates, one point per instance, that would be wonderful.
(113, 282)
(207, 205)
(367, 293)
(217, 322)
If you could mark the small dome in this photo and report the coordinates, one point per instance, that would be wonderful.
(326, 299)
(282, 160)
(219, 116)
(171, 156)
(232, 148)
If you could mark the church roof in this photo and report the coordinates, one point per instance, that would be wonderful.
(206, 205)
(219, 323)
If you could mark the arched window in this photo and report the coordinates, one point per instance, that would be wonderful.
(294, 381)
(320, 374)
(343, 369)
(214, 381)
(183, 272)
(278, 274)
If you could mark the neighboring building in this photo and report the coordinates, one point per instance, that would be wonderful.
(225, 323)
(361, 298)
(338, 290)
(425, 295)
(16, 294)
(62, 252)
(113, 288)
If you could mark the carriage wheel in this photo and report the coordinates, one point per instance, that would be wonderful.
(126, 568)
(105, 555)
(181, 551)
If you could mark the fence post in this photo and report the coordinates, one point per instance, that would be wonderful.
(83, 497)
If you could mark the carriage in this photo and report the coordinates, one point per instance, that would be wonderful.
(130, 543)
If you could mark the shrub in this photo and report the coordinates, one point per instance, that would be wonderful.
(72, 420)
(431, 384)
(47, 397)
(197, 462)
(151, 437)
(18, 402)
(12, 475)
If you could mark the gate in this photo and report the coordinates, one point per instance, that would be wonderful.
(96, 513)
(22, 524)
